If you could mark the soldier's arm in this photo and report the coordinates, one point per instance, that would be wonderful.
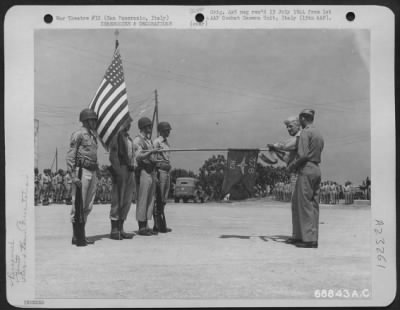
(71, 156)
(140, 153)
(72, 153)
(302, 152)
(289, 145)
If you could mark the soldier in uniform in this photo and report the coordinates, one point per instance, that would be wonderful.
(82, 154)
(306, 194)
(122, 163)
(53, 187)
(321, 192)
(163, 167)
(348, 194)
(59, 186)
(145, 176)
(332, 191)
(327, 195)
(287, 152)
(46, 187)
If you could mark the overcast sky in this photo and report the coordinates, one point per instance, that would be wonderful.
(217, 88)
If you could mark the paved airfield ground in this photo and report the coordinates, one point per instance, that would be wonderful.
(215, 251)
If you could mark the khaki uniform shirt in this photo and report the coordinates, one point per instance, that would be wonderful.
(162, 143)
(83, 146)
(138, 147)
(310, 144)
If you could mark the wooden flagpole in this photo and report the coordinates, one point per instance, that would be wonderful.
(155, 112)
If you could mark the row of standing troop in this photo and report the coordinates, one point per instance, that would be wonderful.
(56, 188)
(52, 187)
(137, 165)
(330, 192)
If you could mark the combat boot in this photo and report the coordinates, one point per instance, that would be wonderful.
(115, 232)
(84, 235)
(157, 218)
(77, 238)
(124, 235)
(163, 222)
(143, 231)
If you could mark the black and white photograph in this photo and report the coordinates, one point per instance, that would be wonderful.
(214, 166)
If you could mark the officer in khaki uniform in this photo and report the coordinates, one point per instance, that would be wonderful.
(287, 152)
(145, 176)
(82, 154)
(122, 167)
(305, 199)
(163, 167)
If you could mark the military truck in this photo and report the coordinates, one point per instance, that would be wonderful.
(188, 189)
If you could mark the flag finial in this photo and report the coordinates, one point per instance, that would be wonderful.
(116, 38)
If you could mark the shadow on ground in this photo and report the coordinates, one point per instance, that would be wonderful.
(276, 238)
(98, 237)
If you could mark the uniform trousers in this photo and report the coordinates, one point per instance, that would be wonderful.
(305, 202)
(295, 214)
(165, 183)
(122, 193)
(59, 190)
(89, 186)
(145, 196)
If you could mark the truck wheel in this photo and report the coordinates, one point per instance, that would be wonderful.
(185, 200)
(177, 200)
(202, 200)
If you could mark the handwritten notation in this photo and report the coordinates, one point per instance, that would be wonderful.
(16, 267)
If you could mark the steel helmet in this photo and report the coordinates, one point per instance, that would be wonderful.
(143, 122)
(163, 126)
(87, 114)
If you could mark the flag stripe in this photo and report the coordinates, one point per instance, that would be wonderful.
(111, 97)
(108, 91)
(113, 123)
(109, 121)
(111, 101)
(115, 130)
(94, 102)
(112, 114)
(110, 105)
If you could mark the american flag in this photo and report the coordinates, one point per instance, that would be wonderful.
(111, 101)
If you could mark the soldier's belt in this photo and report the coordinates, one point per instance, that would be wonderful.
(147, 166)
(164, 166)
(87, 165)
